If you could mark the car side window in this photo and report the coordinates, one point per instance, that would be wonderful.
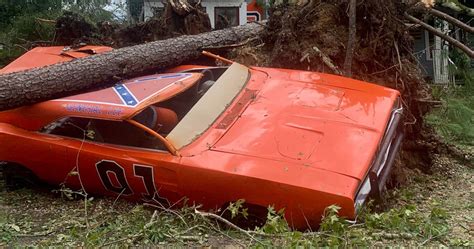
(104, 131)
(67, 127)
(123, 133)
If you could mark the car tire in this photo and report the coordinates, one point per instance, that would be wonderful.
(15, 176)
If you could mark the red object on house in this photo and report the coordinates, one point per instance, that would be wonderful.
(255, 12)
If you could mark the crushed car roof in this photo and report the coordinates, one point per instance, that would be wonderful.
(120, 102)
(124, 99)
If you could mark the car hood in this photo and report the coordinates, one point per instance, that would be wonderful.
(318, 120)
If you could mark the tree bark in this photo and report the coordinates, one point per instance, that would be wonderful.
(451, 19)
(64, 79)
(352, 38)
(444, 36)
(447, 18)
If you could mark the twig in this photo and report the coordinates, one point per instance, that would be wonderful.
(118, 196)
(398, 55)
(45, 20)
(327, 60)
(386, 69)
(232, 45)
(166, 210)
(432, 238)
(139, 234)
(20, 46)
(219, 218)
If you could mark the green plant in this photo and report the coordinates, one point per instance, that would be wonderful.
(276, 222)
(454, 119)
(237, 208)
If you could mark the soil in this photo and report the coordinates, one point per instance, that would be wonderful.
(449, 185)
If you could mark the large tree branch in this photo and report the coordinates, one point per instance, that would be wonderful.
(451, 19)
(456, 6)
(446, 17)
(64, 79)
(444, 36)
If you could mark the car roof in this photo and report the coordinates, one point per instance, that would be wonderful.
(119, 102)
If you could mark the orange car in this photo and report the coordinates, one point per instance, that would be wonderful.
(293, 139)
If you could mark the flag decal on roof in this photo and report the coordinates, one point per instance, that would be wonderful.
(125, 95)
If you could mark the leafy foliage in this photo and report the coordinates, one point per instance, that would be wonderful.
(454, 120)
(25, 24)
(19, 25)
(276, 222)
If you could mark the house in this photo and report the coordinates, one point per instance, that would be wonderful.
(433, 53)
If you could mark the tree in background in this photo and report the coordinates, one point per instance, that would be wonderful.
(21, 25)
(25, 24)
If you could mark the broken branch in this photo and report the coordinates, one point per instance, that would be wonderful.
(327, 60)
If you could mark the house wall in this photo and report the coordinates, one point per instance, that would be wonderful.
(208, 5)
(421, 52)
(433, 55)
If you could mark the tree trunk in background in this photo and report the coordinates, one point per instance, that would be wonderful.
(352, 38)
(64, 79)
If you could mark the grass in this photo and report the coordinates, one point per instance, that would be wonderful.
(428, 211)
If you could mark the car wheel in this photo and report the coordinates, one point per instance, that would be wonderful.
(15, 176)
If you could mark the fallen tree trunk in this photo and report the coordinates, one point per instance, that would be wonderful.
(443, 36)
(59, 80)
(450, 19)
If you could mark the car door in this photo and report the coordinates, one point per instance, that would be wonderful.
(44, 154)
(120, 159)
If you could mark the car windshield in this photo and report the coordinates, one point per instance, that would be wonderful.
(209, 107)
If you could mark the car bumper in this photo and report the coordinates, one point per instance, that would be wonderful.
(379, 172)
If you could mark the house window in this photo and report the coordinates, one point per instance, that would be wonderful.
(226, 17)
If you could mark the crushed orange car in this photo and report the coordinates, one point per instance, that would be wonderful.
(293, 139)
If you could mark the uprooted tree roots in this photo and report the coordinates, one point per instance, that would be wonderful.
(180, 17)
